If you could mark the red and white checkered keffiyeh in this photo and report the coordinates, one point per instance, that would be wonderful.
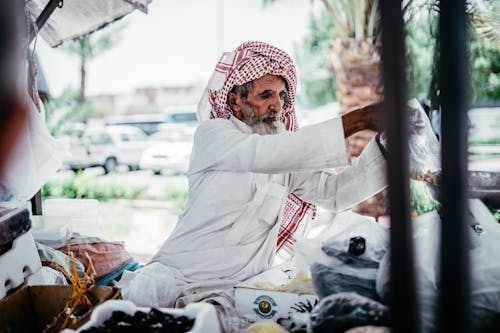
(250, 61)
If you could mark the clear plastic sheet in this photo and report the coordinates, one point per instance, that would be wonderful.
(78, 18)
(424, 148)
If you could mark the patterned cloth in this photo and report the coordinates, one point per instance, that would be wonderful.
(250, 61)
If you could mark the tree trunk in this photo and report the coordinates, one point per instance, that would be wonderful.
(83, 73)
(357, 68)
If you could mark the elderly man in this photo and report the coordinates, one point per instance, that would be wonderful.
(253, 180)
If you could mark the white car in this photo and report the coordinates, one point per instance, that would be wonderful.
(170, 150)
(108, 147)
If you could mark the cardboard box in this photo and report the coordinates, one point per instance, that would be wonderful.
(31, 308)
(254, 304)
(204, 314)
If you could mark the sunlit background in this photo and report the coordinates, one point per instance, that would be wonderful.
(149, 67)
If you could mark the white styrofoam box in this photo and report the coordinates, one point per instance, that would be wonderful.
(253, 304)
(205, 315)
(82, 214)
(52, 231)
(37, 278)
(17, 264)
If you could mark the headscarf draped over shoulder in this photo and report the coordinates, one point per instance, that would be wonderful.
(250, 61)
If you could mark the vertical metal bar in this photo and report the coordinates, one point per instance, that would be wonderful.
(455, 278)
(36, 203)
(404, 301)
(43, 17)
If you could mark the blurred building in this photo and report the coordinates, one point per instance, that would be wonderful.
(147, 99)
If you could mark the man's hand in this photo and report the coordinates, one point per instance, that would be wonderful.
(366, 117)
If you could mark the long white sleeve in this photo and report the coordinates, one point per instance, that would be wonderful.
(364, 178)
(229, 145)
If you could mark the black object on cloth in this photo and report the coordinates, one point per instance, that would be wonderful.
(328, 281)
(341, 312)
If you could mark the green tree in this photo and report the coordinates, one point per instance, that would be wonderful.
(419, 46)
(89, 47)
(317, 79)
(65, 109)
(485, 53)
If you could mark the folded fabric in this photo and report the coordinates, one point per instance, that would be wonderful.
(107, 257)
(49, 255)
(113, 278)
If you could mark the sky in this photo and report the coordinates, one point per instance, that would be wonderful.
(178, 43)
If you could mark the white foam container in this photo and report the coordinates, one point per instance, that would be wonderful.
(82, 215)
(17, 264)
(205, 315)
(52, 231)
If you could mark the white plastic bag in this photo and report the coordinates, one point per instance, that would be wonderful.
(426, 235)
(424, 148)
(36, 157)
(485, 267)
(345, 257)
(154, 285)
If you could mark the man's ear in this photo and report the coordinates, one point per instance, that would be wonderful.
(236, 104)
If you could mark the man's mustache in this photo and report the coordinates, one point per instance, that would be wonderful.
(271, 114)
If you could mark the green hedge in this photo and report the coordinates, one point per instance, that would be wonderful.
(86, 187)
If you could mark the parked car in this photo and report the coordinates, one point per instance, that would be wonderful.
(170, 150)
(147, 122)
(108, 147)
(181, 114)
(153, 122)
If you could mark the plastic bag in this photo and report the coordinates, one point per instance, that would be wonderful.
(345, 257)
(485, 267)
(424, 148)
(36, 157)
(154, 285)
(426, 235)
(424, 145)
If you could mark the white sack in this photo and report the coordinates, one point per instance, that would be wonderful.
(35, 159)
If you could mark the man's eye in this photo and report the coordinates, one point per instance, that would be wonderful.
(283, 95)
(266, 94)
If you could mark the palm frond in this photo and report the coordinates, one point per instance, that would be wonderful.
(487, 23)
(372, 19)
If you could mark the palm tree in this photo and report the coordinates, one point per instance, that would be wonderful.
(355, 58)
(87, 48)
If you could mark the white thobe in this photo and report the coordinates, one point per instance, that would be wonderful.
(238, 183)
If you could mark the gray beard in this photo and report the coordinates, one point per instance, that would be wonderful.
(260, 126)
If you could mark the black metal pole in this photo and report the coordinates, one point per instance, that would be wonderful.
(403, 291)
(455, 277)
(43, 17)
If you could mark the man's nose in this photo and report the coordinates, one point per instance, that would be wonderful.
(276, 104)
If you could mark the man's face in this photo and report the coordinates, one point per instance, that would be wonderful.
(263, 106)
